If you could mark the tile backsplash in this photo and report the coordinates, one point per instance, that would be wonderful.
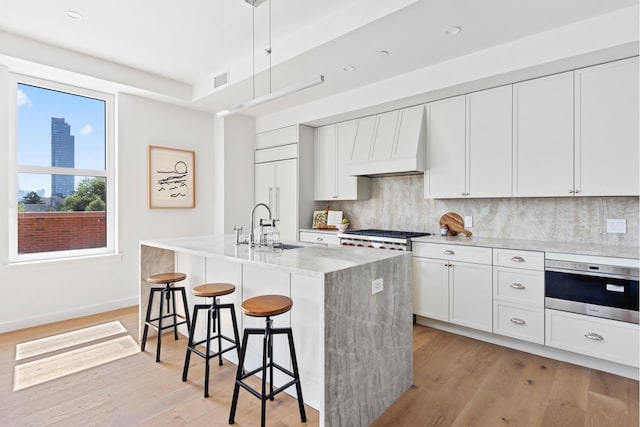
(399, 203)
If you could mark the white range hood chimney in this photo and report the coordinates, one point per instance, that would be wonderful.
(391, 143)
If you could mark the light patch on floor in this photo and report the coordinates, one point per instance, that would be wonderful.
(49, 368)
(69, 339)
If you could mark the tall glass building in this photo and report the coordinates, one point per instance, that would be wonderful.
(62, 155)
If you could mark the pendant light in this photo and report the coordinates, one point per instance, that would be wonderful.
(272, 95)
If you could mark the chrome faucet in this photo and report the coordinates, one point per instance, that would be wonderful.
(252, 236)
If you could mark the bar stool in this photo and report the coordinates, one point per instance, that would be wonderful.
(266, 306)
(213, 291)
(166, 292)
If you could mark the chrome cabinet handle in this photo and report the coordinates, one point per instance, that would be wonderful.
(517, 321)
(517, 259)
(448, 252)
(571, 191)
(576, 191)
(320, 239)
(517, 286)
(594, 336)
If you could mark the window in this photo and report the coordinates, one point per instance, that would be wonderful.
(63, 192)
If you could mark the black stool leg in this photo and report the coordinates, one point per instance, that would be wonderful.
(175, 313)
(236, 388)
(296, 374)
(147, 319)
(235, 330)
(186, 307)
(210, 314)
(159, 342)
(187, 357)
(219, 314)
(265, 350)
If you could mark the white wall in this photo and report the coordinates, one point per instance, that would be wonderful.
(38, 293)
(234, 171)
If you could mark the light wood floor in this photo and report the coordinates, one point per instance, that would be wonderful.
(457, 381)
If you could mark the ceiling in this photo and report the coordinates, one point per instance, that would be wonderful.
(188, 43)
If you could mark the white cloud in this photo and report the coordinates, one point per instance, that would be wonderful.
(86, 129)
(23, 99)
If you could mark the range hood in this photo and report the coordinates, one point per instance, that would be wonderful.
(392, 143)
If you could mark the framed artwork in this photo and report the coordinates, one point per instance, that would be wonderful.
(171, 178)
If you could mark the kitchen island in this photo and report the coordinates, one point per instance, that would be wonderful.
(354, 348)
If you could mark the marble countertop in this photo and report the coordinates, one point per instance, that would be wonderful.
(632, 252)
(309, 259)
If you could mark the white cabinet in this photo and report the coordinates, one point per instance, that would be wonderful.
(606, 129)
(431, 288)
(445, 174)
(593, 336)
(469, 145)
(284, 180)
(330, 239)
(277, 186)
(333, 148)
(543, 136)
(518, 294)
(459, 275)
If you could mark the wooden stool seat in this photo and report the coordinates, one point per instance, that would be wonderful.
(266, 305)
(213, 289)
(166, 278)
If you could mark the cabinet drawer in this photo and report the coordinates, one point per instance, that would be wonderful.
(460, 253)
(592, 336)
(518, 321)
(519, 286)
(531, 260)
(326, 238)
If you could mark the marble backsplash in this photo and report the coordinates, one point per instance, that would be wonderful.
(398, 203)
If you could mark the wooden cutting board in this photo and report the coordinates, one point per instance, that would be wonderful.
(454, 223)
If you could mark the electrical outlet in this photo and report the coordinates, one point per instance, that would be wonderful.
(616, 225)
(377, 286)
(468, 221)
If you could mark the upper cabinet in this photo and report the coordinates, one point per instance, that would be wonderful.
(389, 143)
(469, 145)
(606, 129)
(543, 136)
(333, 148)
(568, 134)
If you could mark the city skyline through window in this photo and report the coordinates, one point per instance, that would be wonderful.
(36, 110)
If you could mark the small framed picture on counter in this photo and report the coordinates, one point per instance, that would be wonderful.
(171, 178)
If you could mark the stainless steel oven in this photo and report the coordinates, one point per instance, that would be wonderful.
(593, 288)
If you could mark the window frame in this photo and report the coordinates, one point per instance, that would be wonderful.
(108, 173)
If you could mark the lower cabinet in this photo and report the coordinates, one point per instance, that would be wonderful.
(449, 288)
(602, 338)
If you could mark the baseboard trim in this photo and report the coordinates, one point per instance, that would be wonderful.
(538, 349)
(57, 316)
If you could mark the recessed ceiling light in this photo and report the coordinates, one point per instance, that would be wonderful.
(451, 31)
(72, 14)
(383, 52)
(349, 68)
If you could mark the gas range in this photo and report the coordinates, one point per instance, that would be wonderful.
(380, 239)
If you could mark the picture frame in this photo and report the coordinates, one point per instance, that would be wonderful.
(171, 177)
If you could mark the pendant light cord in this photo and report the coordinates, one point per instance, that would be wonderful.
(270, 50)
(253, 49)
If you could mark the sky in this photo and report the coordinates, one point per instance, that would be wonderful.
(36, 106)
